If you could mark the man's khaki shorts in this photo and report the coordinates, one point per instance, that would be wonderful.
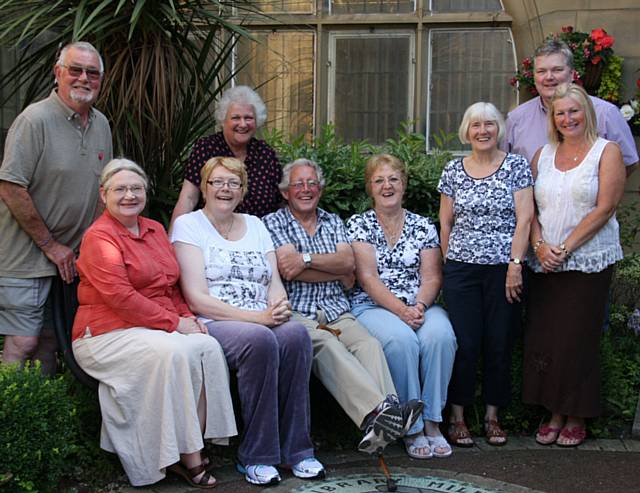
(24, 309)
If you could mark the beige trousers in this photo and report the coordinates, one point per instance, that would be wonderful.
(351, 366)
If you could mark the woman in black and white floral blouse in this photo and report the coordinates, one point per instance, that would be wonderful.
(399, 273)
(486, 207)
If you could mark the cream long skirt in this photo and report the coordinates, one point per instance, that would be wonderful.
(150, 383)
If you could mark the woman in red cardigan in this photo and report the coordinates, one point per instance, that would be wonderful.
(163, 379)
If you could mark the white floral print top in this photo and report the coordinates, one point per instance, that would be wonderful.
(398, 267)
(484, 210)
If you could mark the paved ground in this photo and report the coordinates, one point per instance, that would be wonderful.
(521, 466)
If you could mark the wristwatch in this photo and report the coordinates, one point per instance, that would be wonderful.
(515, 260)
(306, 258)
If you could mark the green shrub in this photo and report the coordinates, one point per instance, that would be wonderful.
(343, 166)
(38, 429)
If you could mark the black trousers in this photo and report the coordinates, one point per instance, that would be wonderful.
(485, 323)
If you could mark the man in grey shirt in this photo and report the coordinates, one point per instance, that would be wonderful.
(54, 153)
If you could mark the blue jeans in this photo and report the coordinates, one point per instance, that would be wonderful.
(420, 361)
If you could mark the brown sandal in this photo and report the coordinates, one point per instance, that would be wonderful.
(190, 474)
(495, 435)
(458, 432)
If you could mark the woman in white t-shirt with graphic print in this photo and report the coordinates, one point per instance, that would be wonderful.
(230, 279)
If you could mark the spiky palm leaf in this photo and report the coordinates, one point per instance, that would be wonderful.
(166, 61)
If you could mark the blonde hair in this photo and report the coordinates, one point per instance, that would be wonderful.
(380, 160)
(580, 96)
(121, 164)
(477, 111)
(231, 164)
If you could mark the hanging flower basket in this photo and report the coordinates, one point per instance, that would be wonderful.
(592, 77)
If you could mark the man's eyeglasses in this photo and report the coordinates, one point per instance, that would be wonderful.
(76, 71)
(232, 184)
(299, 185)
(136, 190)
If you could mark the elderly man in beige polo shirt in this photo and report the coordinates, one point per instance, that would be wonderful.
(54, 153)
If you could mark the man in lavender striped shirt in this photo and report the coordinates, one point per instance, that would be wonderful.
(527, 125)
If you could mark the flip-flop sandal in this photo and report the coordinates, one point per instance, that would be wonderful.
(546, 430)
(189, 474)
(439, 442)
(577, 433)
(413, 444)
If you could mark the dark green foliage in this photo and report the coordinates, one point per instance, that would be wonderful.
(343, 166)
(38, 429)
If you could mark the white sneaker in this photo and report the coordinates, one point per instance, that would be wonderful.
(309, 468)
(259, 474)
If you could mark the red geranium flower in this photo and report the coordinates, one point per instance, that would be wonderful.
(598, 34)
(567, 29)
(596, 60)
(607, 41)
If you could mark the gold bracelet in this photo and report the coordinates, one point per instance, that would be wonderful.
(537, 245)
(563, 247)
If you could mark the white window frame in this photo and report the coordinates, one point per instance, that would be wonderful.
(430, 65)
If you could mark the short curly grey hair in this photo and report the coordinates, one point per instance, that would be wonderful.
(288, 169)
(241, 95)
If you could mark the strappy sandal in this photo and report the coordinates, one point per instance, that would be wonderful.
(458, 432)
(193, 472)
(547, 435)
(495, 435)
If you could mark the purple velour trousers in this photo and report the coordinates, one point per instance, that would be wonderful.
(273, 367)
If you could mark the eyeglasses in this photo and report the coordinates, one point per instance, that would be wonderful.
(232, 184)
(392, 180)
(299, 185)
(136, 190)
(76, 71)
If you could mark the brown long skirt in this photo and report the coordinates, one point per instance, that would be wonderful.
(565, 314)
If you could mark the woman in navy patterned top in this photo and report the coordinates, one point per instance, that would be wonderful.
(240, 112)
(399, 273)
(486, 207)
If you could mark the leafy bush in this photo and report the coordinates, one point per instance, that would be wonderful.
(38, 429)
(343, 166)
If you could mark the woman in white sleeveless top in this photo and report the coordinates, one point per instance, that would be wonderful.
(579, 180)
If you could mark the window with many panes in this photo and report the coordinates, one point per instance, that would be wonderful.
(367, 66)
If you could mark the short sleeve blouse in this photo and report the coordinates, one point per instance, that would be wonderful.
(263, 171)
(398, 267)
(237, 272)
(484, 210)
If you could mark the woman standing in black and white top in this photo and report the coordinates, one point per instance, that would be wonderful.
(486, 207)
